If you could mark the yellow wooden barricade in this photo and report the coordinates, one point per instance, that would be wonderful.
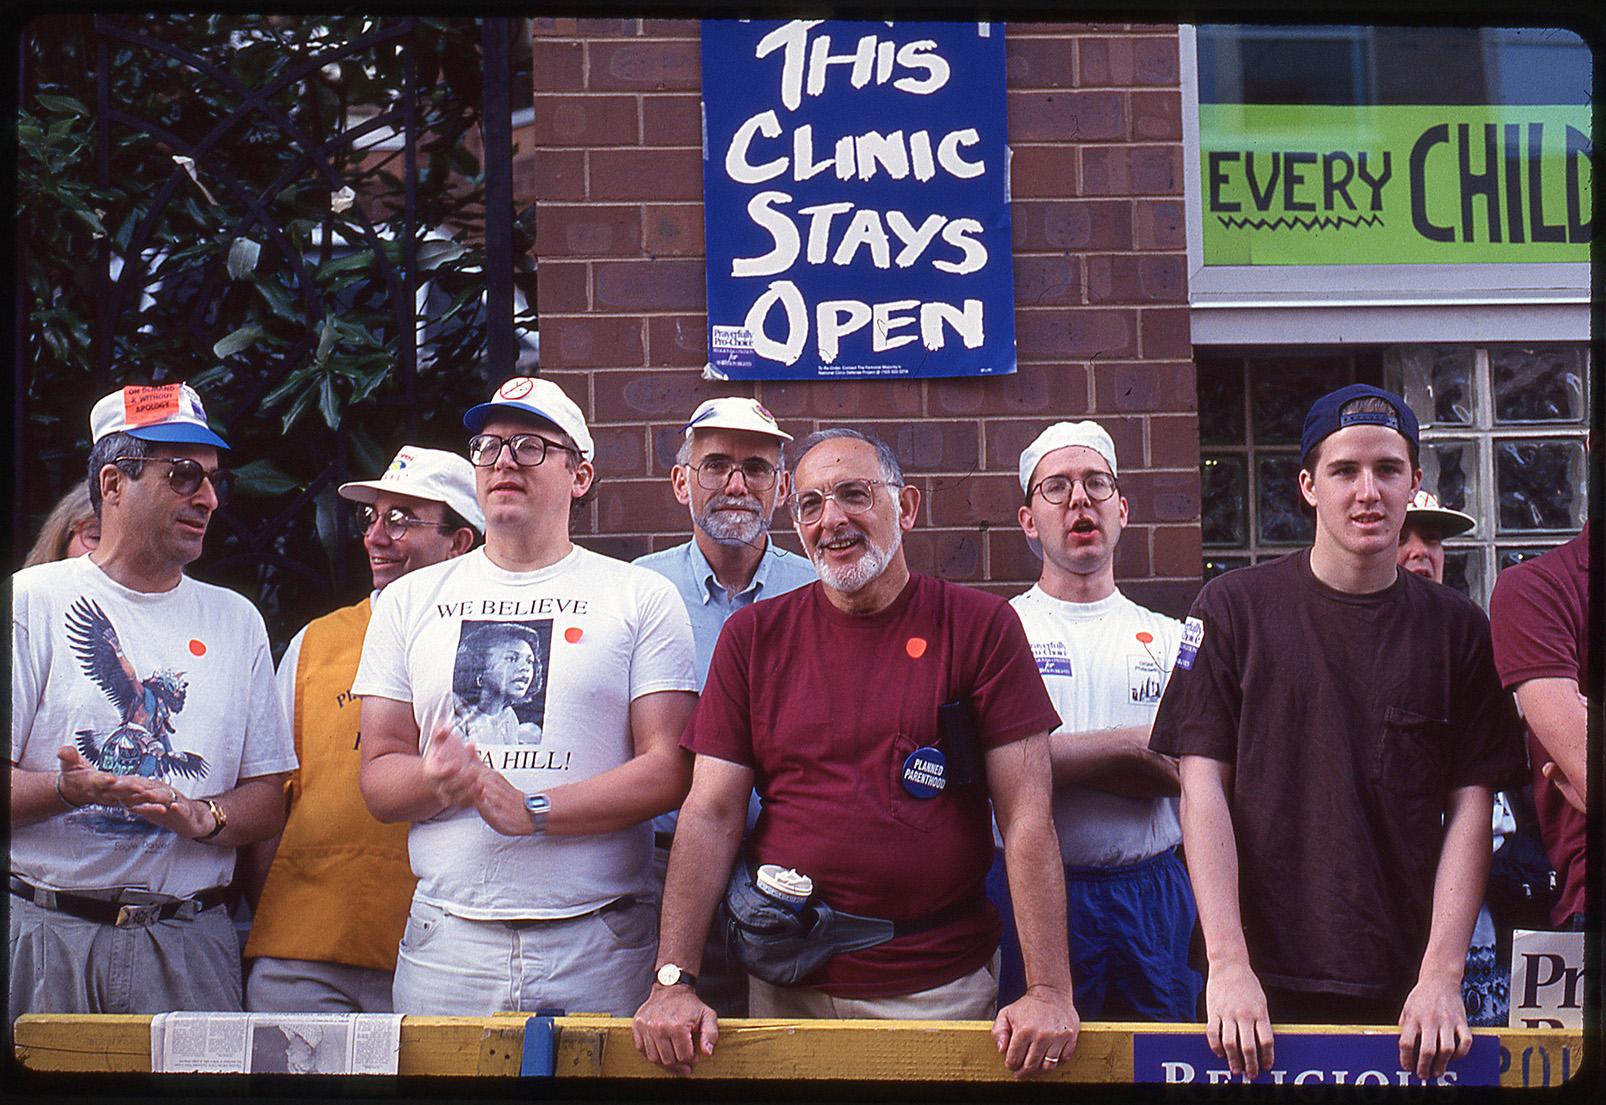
(873, 1051)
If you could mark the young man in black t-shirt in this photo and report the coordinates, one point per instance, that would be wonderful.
(1341, 729)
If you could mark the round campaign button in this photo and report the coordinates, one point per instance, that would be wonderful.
(925, 772)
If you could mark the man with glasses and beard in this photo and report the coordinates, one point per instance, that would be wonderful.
(533, 857)
(877, 711)
(730, 472)
(1105, 661)
(147, 743)
(309, 950)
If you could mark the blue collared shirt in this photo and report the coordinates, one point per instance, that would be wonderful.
(706, 599)
(709, 604)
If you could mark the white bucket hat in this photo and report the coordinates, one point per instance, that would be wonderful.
(431, 474)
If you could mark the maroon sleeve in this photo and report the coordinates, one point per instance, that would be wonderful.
(1533, 619)
(721, 725)
(1010, 700)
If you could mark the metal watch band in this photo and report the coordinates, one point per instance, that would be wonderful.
(537, 805)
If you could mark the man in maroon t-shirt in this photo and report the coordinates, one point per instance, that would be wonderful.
(1540, 616)
(826, 699)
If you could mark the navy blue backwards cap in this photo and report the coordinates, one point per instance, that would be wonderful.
(1325, 420)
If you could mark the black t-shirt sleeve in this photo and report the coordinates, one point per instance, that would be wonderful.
(1199, 713)
(1484, 722)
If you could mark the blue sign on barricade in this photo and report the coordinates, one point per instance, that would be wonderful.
(855, 191)
(1336, 1059)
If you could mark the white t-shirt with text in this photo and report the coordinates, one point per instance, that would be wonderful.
(542, 667)
(1105, 664)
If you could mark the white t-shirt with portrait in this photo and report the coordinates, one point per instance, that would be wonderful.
(546, 663)
(176, 686)
(1105, 664)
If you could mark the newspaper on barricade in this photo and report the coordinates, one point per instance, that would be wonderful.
(276, 1043)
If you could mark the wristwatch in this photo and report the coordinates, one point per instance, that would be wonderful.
(538, 806)
(220, 820)
(671, 975)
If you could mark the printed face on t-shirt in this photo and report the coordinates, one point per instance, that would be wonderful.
(1078, 535)
(1361, 485)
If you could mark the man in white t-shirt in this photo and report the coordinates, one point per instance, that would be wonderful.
(309, 951)
(147, 743)
(530, 833)
(1104, 660)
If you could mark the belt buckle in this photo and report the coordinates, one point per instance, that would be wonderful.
(137, 916)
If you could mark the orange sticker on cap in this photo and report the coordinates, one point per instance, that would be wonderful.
(197, 648)
(573, 634)
(915, 647)
(144, 405)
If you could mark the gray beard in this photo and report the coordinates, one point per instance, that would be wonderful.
(863, 571)
(732, 529)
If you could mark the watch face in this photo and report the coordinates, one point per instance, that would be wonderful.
(668, 974)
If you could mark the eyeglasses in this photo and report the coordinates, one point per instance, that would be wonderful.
(853, 496)
(1056, 489)
(397, 521)
(184, 475)
(529, 450)
(759, 475)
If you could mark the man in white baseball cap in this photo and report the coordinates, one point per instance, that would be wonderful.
(1104, 660)
(1427, 525)
(147, 744)
(309, 951)
(730, 472)
(574, 674)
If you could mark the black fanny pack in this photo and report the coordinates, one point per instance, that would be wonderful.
(784, 945)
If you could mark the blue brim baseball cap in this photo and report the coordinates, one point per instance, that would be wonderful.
(167, 413)
(1326, 417)
(529, 395)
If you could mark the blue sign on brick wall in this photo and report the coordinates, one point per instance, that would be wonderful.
(856, 203)
(1335, 1059)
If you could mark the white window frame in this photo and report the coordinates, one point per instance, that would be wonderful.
(1370, 304)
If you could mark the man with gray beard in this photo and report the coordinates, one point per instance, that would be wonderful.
(730, 472)
(878, 711)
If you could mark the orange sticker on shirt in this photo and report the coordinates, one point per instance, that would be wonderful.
(1145, 637)
(915, 647)
(143, 406)
(197, 648)
(573, 634)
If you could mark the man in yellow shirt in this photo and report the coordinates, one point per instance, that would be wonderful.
(330, 894)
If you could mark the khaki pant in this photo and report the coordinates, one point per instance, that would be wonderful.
(308, 986)
(65, 964)
(971, 998)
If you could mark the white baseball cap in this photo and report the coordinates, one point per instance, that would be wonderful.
(1061, 435)
(542, 398)
(1424, 509)
(432, 474)
(735, 412)
(168, 413)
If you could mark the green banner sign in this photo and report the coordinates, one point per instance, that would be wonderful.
(1394, 184)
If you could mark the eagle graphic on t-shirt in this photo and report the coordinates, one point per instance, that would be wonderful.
(140, 743)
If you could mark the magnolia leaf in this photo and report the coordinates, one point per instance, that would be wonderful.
(241, 339)
(262, 477)
(243, 256)
(434, 252)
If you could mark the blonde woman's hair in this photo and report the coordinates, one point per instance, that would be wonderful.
(71, 512)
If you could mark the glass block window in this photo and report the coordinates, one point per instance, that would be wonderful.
(1503, 440)
(1251, 410)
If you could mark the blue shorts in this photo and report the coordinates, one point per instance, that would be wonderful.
(1129, 933)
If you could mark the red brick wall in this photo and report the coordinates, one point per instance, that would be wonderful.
(1100, 293)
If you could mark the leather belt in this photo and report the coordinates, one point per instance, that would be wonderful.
(118, 914)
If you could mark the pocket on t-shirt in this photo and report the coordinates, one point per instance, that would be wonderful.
(925, 814)
(1409, 756)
